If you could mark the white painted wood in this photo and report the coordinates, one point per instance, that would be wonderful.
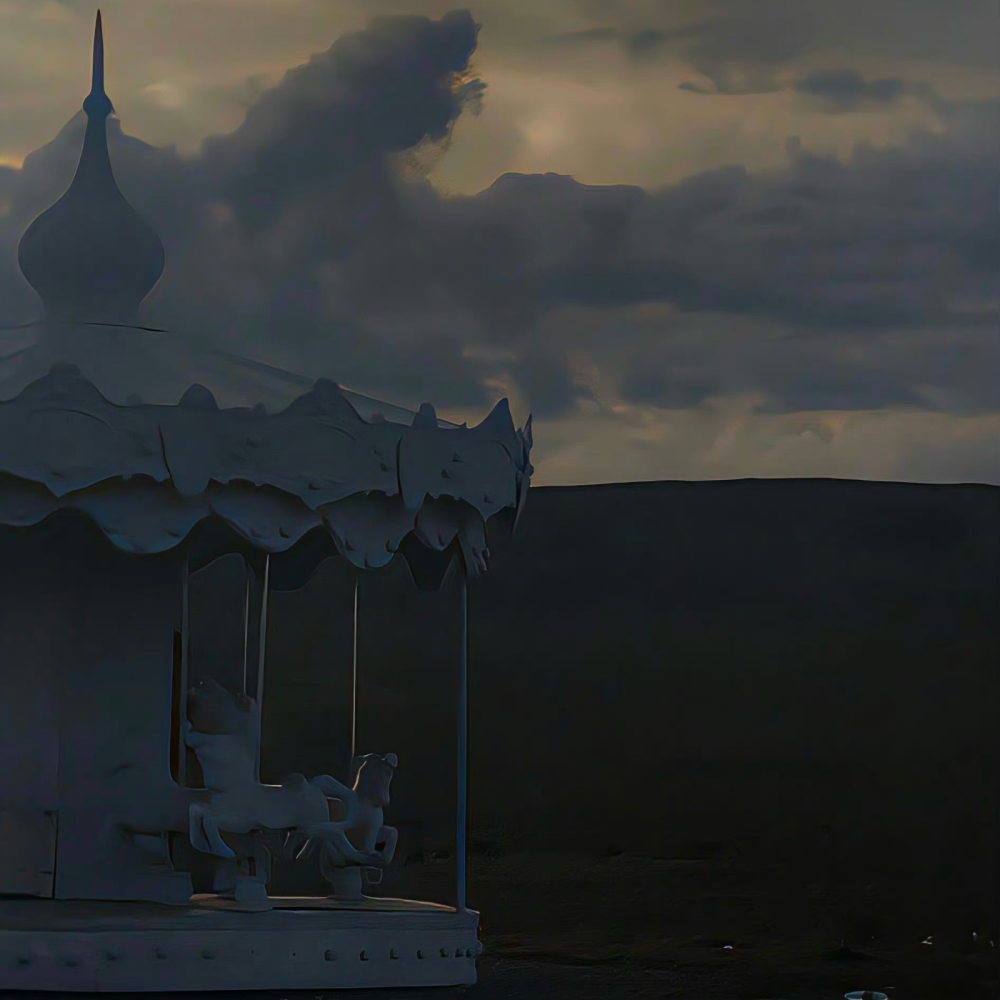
(184, 682)
(146, 475)
(30, 649)
(174, 949)
(27, 859)
(115, 682)
(354, 675)
(261, 655)
(246, 628)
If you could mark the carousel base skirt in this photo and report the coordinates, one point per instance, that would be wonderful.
(302, 943)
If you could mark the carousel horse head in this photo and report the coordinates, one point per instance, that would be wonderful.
(374, 775)
(216, 711)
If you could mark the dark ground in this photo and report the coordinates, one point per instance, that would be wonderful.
(760, 713)
(757, 713)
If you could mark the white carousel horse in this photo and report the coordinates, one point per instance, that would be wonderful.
(222, 734)
(365, 830)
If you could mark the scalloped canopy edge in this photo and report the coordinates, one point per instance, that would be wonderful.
(146, 474)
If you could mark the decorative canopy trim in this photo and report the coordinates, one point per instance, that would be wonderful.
(146, 475)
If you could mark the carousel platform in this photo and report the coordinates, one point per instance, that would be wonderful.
(301, 943)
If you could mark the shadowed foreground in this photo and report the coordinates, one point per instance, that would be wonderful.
(759, 714)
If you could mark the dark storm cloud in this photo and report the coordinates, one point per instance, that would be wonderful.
(947, 371)
(738, 54)
(847, 90)
(296, 238)
(733, 53)
(835, 91)
(747, 48)
(830, 385)
(693, 88)
(645, 43)
(890, 238)
(897, 238)
(569, 39)
(662, 388)
(273, 230)
(334, 119)
(546, 380)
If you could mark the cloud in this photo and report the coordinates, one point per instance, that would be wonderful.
(821, 243)
(164, 94)
(684, 363)
(732, 52)
(664, 389)
(735, 53)
(740, 50)
(645, 43)
(574, 38)
(841, 90)
(694, 88)
(277, 232)
(829, 384)
(548, 382)
(303, 239)
(718, 443)
(336, 118)
(833, 91)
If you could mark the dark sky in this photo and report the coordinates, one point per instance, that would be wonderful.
(697, 239)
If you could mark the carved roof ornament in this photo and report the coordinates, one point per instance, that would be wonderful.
(91, 257)
(148, 474)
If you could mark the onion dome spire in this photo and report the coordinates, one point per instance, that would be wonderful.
(97, 104)
(91, 257)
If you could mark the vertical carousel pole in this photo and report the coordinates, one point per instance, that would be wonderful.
(185, 642)
(261, 649)
(246, 627)
(463, 747)
(354, 679)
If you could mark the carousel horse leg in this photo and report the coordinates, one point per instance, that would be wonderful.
(386, 842)
(205, 835)
(196, 832)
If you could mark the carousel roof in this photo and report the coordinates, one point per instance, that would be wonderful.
(91, 256)
(114, 445)
(147, 474)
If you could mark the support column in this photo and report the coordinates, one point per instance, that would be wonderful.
(354, 680)
(261, 651)
(255, 604)
(183, 682)
(463, 748)
(247, 592)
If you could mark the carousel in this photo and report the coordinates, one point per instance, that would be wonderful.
(136, 836)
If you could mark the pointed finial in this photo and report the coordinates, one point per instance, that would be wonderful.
(97, 101)
(97, 79)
